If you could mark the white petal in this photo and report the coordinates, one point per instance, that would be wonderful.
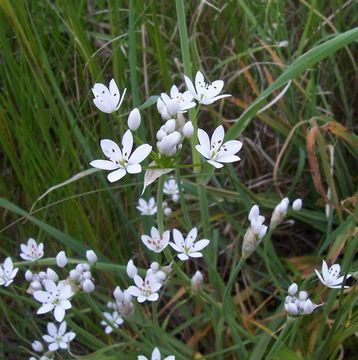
(199, 245)
(217, 138)
(51, 329)
(204, 141)
(178, 238)
(195, 254)
(214, 89)
(320, 277)
(183, 256)
(215, 164)
(53, 347)
(116, 175)
(155, 354)
(174, 91)
(134, 291)
(62, 328)
(199, 83)
(325, 272)
(104, 164)
(111, 149)
(153, 297)
(127, 144)
(45, 308)
(190, 86)
(115, 94)
(176, 247)
(59, 313)
(134, 168)
(227, 158)
(193, 233)
(140, 154)
(41, 296)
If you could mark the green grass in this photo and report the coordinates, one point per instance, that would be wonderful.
(52, 52)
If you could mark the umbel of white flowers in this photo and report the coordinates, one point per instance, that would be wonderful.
(300, 305)
(254, 233)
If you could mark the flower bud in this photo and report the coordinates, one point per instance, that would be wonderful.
(37, 346)
(61, 259)
(279, 213)
(29, 275)
(169, 126)
(160, 276)
(36, 285)
(74, 274)
(249, 243)
(118, 294)
(134, 119)
(297, 205)
(283, 43)
(175, 198)
(197, 281)
(303, 295)
(88, 286)
(167, 211)
(292, 290)
(154, 266)
(188, 130)
(131, 269)
(91, 256)
(161, 134)
(127, 297)
(167, 146)
(308, 307)
(254, 212)
(292, 308)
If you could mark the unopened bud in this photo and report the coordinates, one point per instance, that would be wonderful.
(134, 119)
(197, 281)
(131, 269)
(297, 205)
(37, 346)
(88, 286)
(91, 256)
(293, 288)
(61, 259)
(188, 130)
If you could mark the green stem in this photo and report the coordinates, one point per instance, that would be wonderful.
(160, 213)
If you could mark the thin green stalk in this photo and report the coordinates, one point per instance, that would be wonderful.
(160, 212)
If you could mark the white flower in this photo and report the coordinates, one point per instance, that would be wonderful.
(279, 213)
(297, 205)
(215, 150)
(331, 277)
(177, 102)
(147, 208)
(107, 100)
(134, 119)
(112, 321)
(131, 269)
(32, 251)
(57, 337)
(156, 356)
(61, 259)
(188, 247)
(55, 297)
(197, 281)
(145, 289)
(156, 242)
(171, 188)
(7, 272)
(91, 256)
(121, 161)
(37, 346)
(205, 93)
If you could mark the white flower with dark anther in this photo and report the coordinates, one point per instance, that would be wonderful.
(32, 251)
(145, 289)
(300, 305)
(61, 259)
(107, 100)
(177, 102)
(156, 242)
(254, 233)
(155, 356)
(147, 208)
(54, 298)
(188, 247)
(112, 321)
(121, 161)
(279, 213)
(197, 281)
(91, 256)
(171, 189)
(134, 119)
(297, 205)
(37, 346)
(57, 338)
(203, 92)
(123, 302)
(331, 277)
(7, 272)
(215, 150)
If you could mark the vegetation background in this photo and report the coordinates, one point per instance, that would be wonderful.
(52, 52)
